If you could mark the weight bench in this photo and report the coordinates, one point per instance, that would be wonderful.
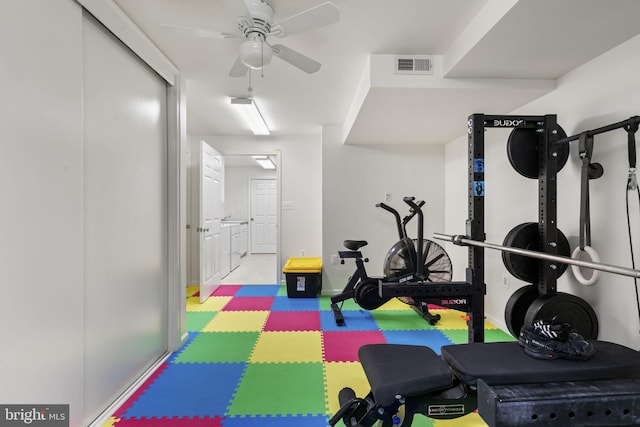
(507, 387)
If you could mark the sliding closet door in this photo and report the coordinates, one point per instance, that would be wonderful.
(125, 163)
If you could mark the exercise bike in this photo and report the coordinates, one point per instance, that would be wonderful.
(400, 265)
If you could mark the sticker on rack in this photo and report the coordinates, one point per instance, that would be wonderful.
(301, 284)
(478, 165)
(478, 188)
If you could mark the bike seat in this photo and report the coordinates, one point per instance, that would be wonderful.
(354, 245)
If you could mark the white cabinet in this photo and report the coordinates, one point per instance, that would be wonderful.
(244, 239)
(225, 262)
(235, 246)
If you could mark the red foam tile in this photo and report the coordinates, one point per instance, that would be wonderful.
(170, 422)
(226, 290)
(293, 321)
(343, 346)
(249, 304)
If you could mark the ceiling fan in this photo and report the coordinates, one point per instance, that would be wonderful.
(256, 52)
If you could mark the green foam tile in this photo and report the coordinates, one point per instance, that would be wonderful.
(196, 320)
(219, 347)
(461, 336)
(400, 320)
(350, 304)
(497, 335)
(280, 389)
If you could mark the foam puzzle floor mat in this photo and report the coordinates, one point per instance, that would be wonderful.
(255, 357)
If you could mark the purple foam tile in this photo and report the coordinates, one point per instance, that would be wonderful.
(249, 304)
(343, 346)
(293, 321)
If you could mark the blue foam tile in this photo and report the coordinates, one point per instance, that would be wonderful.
(189, 390)
(434, 339)
(258, 291)
(191, 335)
(355, 320)
(277, 421)
(295, 304)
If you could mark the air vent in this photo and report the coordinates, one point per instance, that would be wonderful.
(413, 64)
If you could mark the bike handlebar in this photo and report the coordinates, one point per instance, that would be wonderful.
(396, 215)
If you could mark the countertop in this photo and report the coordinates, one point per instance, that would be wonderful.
(231, 222)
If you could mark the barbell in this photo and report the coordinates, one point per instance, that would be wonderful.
(464, 241)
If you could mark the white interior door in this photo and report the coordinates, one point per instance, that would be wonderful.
(264, 216)
(211, 184)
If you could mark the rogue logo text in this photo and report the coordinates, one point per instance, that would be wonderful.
(508, 123)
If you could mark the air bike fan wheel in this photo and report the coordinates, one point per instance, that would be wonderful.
(401, 262)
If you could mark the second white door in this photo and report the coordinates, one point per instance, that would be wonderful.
(264, 216)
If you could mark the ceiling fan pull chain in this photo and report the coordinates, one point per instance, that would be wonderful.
(262, 58)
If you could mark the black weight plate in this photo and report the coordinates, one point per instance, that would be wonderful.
(525, 236)
(367, 295)
(517, 306)
(522, 151)
(507, 258)
(569, 308)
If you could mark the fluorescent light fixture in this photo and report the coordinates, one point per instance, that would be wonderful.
(264, 161)
(248, 110)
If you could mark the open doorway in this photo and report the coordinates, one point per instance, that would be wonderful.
(251, 208)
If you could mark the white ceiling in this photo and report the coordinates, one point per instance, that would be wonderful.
(491, 56)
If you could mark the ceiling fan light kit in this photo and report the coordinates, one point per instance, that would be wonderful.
(256, 52)
(249, 112)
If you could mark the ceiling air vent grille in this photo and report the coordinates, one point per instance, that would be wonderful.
(414, 64)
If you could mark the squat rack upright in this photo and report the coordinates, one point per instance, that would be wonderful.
(469, 295)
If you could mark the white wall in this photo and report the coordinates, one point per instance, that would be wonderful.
(44, 300)
(301, 183)
(355, 178)
(42, 219)
(599, 93)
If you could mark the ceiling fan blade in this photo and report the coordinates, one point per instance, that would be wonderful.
(296, 59)
(238, 69)
(199, 32)
(310, 19)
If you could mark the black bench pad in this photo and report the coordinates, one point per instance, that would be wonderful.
(506, 363)
(406, 370)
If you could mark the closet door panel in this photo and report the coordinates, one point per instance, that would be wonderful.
(125, 162)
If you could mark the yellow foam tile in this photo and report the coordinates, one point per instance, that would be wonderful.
(111, 422)
(450, 319)
(192, 290)
(343, 374)
(237, 321)
(394, 304)
(453, 319)
(288, 347)
(211, 304)
(469, 420)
